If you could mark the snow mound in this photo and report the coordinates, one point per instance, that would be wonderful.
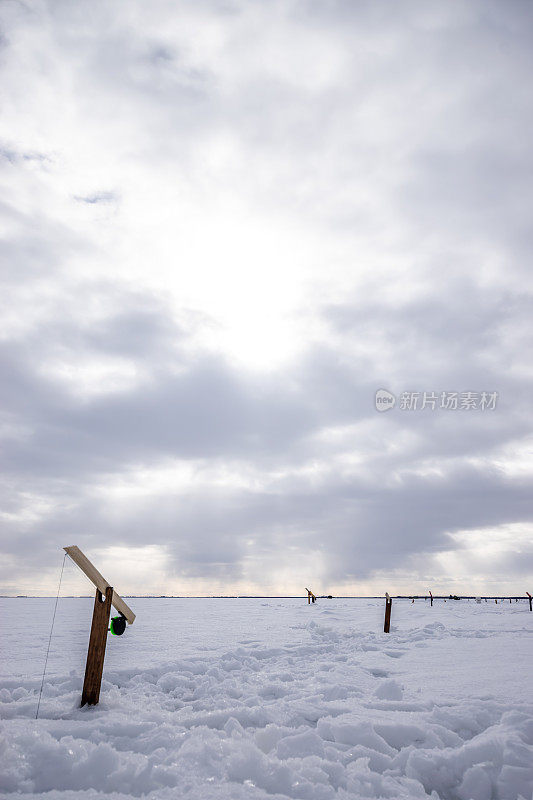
(389, 690)
(329, 714)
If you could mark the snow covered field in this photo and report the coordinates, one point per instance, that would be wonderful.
(271, 698)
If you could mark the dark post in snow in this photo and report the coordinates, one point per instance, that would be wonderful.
(388, 608)
(105, 598)
(97, 642)
(431, 597)
(530, 601)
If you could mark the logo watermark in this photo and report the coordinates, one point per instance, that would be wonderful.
(384, 400)
(447, 401)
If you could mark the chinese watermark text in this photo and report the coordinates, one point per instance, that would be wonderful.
(432, 401)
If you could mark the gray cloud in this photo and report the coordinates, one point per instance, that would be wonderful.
(98, 197)
(360, 521)
(395, 146)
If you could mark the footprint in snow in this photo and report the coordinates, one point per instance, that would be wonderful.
(395, 653)
(378, 673)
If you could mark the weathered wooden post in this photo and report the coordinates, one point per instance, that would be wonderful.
(105, 598)
(310, 596)
(530, 601)
(96, 652)
(388, 608)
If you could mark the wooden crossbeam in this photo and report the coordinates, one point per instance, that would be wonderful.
(99, 581)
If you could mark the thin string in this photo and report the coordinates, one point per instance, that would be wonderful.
(50, 638)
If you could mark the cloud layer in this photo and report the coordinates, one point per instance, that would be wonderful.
(226, 225)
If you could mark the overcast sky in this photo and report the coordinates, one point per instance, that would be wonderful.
(225, 226)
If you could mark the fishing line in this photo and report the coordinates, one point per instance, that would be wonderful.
(50, 638)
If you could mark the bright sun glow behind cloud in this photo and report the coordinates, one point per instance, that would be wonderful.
(225, 227)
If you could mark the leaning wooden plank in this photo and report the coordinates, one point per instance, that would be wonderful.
(99, 581)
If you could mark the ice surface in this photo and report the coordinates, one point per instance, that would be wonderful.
(271, 699)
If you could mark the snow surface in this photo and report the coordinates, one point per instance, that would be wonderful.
(275, 698)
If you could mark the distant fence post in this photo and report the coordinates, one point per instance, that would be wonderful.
(530, 601)
(388, 608)
(431, 598)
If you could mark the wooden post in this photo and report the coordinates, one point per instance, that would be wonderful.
(388, 607)
(530, 601)
(431, 598)
(310, 596)
(97, 644)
